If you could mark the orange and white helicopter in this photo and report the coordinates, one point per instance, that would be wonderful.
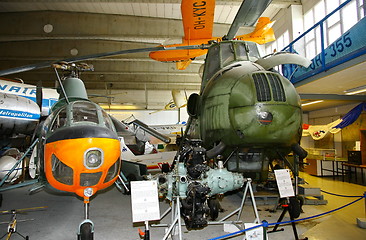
(78, 149)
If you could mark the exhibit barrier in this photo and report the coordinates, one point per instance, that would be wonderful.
(265, 224)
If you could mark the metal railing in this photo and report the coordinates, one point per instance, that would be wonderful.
(350, 45)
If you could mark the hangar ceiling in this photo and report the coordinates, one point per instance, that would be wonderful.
(38, 30)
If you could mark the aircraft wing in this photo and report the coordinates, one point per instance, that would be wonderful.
(151, 131)
(198, 17)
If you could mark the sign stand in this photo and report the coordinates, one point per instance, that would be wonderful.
(286, 209)
(259, 234)
(239, 210)
(145, 204)
(286, 190)
(176, 219)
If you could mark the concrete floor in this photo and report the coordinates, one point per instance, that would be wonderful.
(111, 214)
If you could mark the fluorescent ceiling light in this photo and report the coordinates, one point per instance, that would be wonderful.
(356, 90)
(313, 102)
(119, 107)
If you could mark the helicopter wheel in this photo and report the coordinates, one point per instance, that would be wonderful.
(295, 207)
(86, 231)
(214, 207)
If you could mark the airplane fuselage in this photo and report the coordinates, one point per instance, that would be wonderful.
(19, 112)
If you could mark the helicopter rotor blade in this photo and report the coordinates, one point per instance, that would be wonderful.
(248, 14)
(97, 55)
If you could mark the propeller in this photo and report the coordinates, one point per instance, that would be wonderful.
(247, 15)
(39, 95)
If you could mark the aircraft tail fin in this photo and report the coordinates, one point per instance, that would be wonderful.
(126, 153)
(179, 99)
(181, 65)
(262, 33)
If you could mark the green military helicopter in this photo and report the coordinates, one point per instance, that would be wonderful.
(245, 116)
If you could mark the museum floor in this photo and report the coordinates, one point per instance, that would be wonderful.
(111, 213)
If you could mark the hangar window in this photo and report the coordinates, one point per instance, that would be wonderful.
(84, 112)
(334, 26)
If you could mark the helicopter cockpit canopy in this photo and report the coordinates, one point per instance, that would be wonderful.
(224, 53)
(76, 113)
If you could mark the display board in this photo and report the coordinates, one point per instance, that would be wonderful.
(284, 183)
(144, 201)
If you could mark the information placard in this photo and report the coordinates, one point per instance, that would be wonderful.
(256, 233)
(144, 201)
(284, 183)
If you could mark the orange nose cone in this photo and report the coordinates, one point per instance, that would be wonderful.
(72, 165)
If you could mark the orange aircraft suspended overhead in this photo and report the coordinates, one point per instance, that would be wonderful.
(198, 19)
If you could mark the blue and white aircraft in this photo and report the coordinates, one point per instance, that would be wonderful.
(19, 116)
(19, 112)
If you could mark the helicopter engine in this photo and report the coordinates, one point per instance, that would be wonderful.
(196, 181)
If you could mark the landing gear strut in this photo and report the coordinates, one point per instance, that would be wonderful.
(86, 227)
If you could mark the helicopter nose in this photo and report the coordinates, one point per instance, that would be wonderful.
(265, 117)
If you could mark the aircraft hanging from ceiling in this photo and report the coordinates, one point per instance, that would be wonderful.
(178, 101)
(198, 20)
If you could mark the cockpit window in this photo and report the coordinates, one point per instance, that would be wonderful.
(107, 121)
(85, 112)
(241, 51)
(59, 120)
(227, 53)
(253, 51)
(212, 61)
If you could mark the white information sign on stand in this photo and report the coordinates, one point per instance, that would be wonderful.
(144, 201)
(284, 183)
(254, 234)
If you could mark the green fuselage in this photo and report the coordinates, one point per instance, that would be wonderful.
(249, 107)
